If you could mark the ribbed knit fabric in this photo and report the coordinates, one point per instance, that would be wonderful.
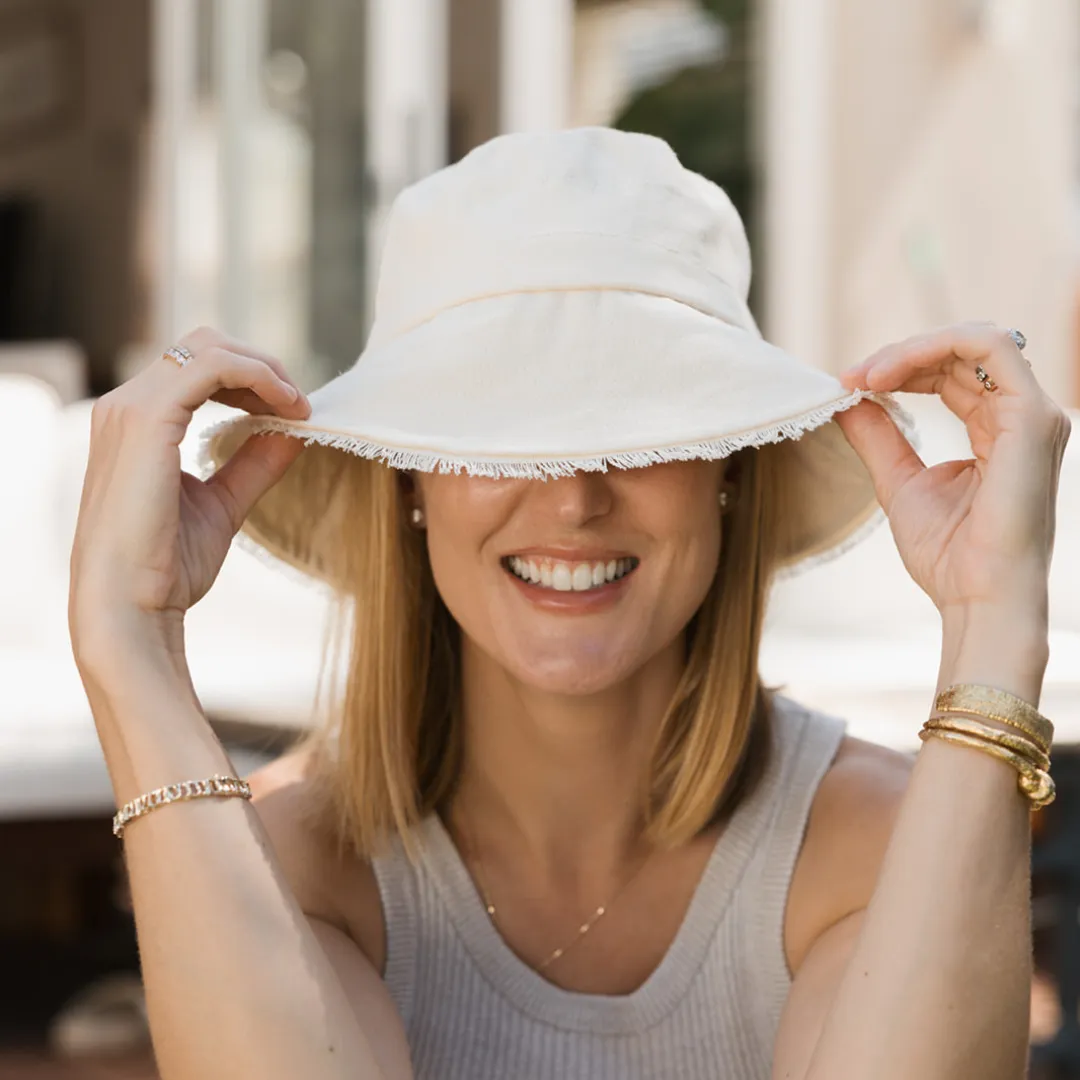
(474, 1011)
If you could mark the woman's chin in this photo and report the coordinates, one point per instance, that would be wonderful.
(583, 687)
(574, 674)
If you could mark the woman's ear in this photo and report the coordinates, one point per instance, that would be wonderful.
(731, 478)
(411, 497)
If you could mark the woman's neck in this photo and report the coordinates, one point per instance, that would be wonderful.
(559, 776)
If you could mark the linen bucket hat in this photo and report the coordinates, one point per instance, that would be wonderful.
(563, 301)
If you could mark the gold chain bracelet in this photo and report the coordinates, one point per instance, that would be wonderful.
(214, 786)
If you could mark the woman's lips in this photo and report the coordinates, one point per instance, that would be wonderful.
(556, 596)
(568, 575)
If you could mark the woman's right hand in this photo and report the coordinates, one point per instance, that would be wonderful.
(150, 538)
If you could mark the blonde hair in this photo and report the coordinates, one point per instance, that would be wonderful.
(389, 750)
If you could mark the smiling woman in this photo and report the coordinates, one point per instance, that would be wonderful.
(554, 825)
(444, 582)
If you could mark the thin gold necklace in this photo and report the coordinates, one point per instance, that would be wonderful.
(583, 929)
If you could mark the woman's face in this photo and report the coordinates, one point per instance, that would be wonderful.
(572, 584)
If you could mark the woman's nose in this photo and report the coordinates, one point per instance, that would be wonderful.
(579, 499)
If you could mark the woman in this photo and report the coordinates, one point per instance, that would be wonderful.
(555, 826)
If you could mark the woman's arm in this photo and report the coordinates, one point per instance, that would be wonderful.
(933, 978)
(239, 982)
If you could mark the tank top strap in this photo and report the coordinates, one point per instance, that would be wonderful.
(399, 892)
(806, 743)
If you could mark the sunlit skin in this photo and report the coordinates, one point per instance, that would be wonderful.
(563, 692)
(667, 517)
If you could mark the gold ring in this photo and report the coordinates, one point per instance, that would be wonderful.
(988, 383)
(178, 354)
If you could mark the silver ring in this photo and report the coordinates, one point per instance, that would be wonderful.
(1019, 340)
(178, 354)
(984, 377)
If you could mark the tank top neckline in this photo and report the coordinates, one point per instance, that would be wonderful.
(532, 994)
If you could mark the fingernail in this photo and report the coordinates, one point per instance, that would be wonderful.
(294, 393)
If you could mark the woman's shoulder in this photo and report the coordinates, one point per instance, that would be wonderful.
(856, 770)
(329, 881)
(850, 824)
(858, 799)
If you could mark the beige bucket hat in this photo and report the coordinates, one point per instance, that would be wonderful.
(562, 301)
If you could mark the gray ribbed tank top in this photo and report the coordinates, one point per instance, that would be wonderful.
(473, 1011)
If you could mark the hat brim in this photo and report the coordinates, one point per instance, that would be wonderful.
(544, 384)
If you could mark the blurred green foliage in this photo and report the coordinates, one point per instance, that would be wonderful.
(704, 112)
(734, 13)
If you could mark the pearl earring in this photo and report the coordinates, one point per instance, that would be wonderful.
(725, 499)
(417, 517)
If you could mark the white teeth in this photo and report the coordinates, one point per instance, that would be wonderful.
(567, 577)
(582, 577)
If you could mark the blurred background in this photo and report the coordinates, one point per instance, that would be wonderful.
(165, 163)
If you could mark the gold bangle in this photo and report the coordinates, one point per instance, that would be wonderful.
(1036, 784)
(214, 786)
(1019, 744)
(993, 704)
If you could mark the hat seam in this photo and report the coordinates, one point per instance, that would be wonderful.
(400, 332)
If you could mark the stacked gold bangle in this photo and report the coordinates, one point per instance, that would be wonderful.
(1026, 746)
(212, 787)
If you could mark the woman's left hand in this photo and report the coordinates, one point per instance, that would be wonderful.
(978, 533)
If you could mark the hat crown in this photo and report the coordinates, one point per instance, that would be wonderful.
(569, 209)
(559, 302)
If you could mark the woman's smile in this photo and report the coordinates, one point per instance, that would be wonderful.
(571, 581)
(569, 575)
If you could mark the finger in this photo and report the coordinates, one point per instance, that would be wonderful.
(970, 343)
(856, 374)
(256, 467)
(216, 369)
(889, 458)
(206, 337)
(272, 362)
(957, 387)
(246, 400)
